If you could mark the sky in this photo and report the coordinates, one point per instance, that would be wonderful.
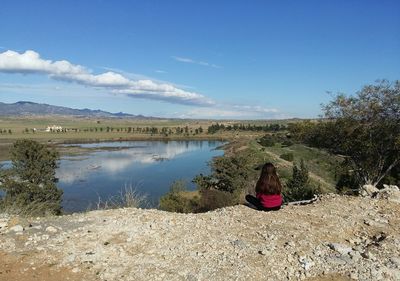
(196, 59)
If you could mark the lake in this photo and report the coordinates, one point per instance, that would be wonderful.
(149, 166)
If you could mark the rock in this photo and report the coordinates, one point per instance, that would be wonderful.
(71, 258)
(76, 270)
(17, 228)
(340, 248)
(290, 258)
(395, 274)
(395, 261)
(289, 244)
(368, 255)
(354, 276)
(368, 190)
(306, 263)
(51, 229)
(239, 244)
(375, 223)
(3, 224)
(355, 256)
(389, 192)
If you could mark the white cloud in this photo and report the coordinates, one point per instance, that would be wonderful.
(160, 71)
(256, 109)
(31, 62)
(188, 60)
(233, 112)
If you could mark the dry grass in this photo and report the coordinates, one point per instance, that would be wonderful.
(128, 197)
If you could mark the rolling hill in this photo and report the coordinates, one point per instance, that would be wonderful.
(27, 108)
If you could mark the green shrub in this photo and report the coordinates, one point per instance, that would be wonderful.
(29, 185)
(347, 180)
(287, 156)
(212, 199)
(267, 141)
(176, 201)
(299, 187)
(230, 174)
(287, 143)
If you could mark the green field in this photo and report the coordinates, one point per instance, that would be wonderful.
(321, 164)
(79, 130)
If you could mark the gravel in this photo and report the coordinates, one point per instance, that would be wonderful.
(353, 238)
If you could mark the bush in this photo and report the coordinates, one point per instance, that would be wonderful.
(29, 185)
(287, 156)
(212, 199)
(267, 141)
(299, 187)
(176, 201)
(232, 174)
(347, 181)
(128, 197)
(287, 143)
(179, 200)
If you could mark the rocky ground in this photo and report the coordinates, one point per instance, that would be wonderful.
(335, 238)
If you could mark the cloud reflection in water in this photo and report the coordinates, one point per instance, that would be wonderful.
(73, 169)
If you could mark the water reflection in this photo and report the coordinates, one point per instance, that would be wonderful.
(73, 169)
(153, 164)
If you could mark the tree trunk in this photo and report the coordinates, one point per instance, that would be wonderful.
(386, 172)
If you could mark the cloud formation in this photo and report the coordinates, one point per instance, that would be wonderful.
(233, 112)
(255, 109)
(31, 62)
(160, 71)
(188, 60)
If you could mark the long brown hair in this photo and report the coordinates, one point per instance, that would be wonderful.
(269, 182)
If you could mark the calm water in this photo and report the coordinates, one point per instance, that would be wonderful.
(150, 166)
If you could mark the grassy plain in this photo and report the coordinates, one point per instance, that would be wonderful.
(321, 164)
(80, 130)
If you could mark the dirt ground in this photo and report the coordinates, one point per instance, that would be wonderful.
(18, 268)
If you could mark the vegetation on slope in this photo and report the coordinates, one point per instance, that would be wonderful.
(358, 143)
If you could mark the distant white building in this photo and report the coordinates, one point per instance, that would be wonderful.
(54, 128)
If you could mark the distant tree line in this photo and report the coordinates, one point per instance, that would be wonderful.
(273, 127)
(179, 130)
(5, 131)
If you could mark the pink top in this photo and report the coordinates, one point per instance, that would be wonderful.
(270, 200)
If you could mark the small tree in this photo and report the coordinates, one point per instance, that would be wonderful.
(230, 174)
(299, 187)
(30, 184)
(366, 129)
(267, 141)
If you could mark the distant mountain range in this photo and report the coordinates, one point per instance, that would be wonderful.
(27, 108)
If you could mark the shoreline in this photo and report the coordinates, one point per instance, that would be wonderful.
(6, 143)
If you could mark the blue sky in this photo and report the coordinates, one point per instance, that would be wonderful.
(196, 59)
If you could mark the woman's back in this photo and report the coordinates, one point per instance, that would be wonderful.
(268, 190)
(269, 200)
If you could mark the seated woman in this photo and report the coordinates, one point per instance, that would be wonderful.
(268, 190)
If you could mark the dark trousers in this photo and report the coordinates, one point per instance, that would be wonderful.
(256, 203)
